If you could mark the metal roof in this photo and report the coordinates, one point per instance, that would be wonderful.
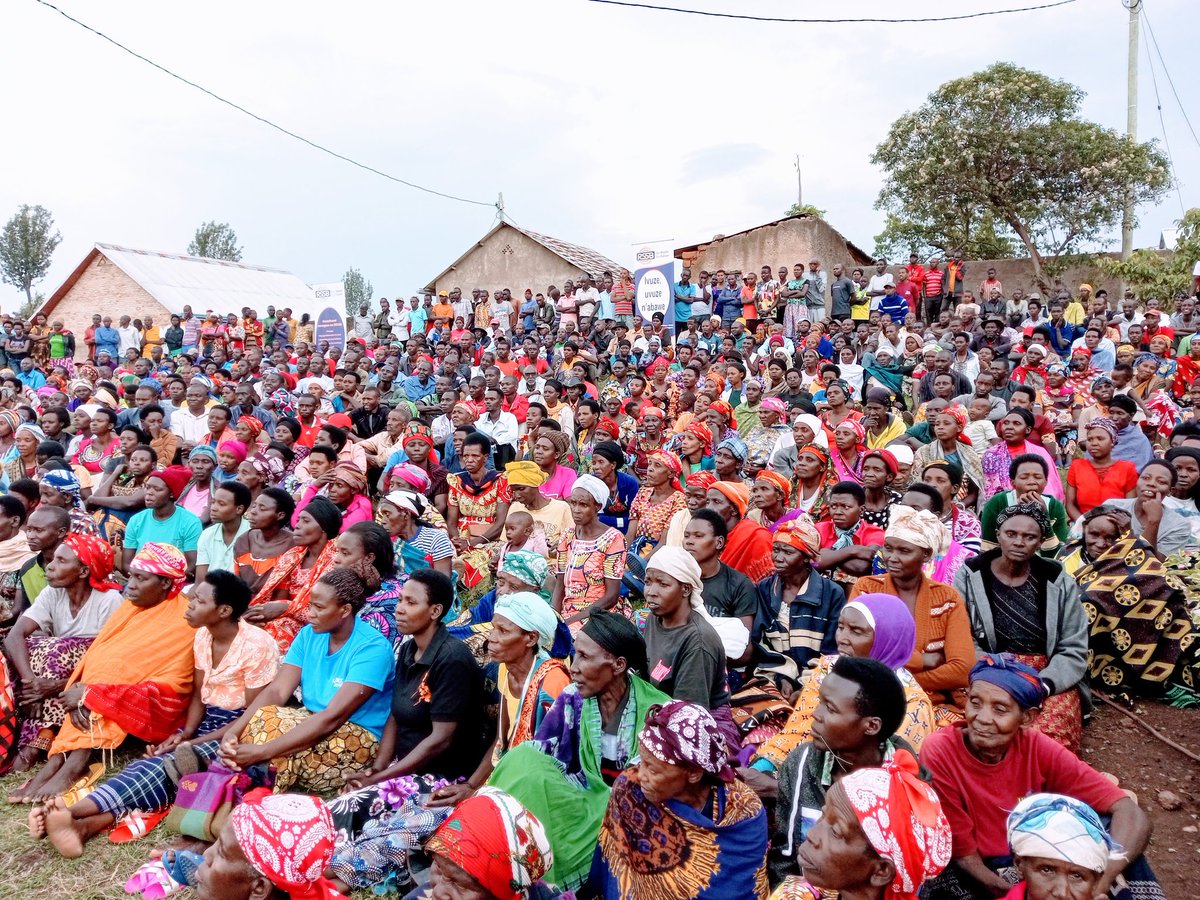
(175, 280)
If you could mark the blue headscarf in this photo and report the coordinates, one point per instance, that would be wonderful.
(1005, 671)
(65, 482)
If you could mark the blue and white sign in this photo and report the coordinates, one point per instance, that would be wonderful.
(654, 288)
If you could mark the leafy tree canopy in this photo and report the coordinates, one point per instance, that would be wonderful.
(27, 244)
(1164, 276)
(216, 240)
(358, 290)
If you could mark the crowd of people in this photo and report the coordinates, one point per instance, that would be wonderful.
(802, 587)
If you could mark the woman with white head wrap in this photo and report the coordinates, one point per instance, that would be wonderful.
(529, 681)
(594, 486)
(418, 545)
(1055, 837)
(686, 654)
(806, 429)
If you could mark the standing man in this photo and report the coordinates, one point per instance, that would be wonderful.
(382, 325)
(363, 322)
(877, 286)
(935, 282)
(989, 284)
(89, 336)
(956, 272)
(686, 294)
(129, 338)
(814, 297)
(191, 329)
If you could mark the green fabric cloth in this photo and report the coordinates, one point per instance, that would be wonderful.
(570, 798)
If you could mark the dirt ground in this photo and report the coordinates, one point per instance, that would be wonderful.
(1114, 743)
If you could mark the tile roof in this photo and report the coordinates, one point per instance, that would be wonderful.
(587, 260)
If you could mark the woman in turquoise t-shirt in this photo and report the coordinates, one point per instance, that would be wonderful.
(344, 669)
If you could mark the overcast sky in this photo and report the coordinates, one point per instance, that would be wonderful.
(602, 125)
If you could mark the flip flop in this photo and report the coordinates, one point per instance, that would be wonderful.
(136, 825)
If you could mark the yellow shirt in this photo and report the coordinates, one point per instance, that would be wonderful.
(152, 336)
(1074, 313)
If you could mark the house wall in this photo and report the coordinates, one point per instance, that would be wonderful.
(105, 289)
(508, 259)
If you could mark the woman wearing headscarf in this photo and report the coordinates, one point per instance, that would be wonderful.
(848, 451)
(607, 462)
(763, 439)
(996, 461)
(951, 444)
(695, 445)
(770, 495)
(551, 517)
(591, 558)
(417, 544)
(878, 626)
(346, 486)
(730, 458)
(982, 769)
(882, 424)
(1098, 476)
(1186, 491)
(882, 835)
(720, 417)
(1056, 842)
(281, 604)
(585, 740)
(491, 848)
(710, 829)
(549, 452)
(657, 501)
(51, 636)
(1111, 566)
(944, 649)
(686, 655)
(60, 487)
(879, 471)
(24, 464)
(1024, 604)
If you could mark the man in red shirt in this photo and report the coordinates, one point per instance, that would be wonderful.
(916, 271)
(934, 283)
(511, 401)
(909, 289)
(306, 415)
(848, 544)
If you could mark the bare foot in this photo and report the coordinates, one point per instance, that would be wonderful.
(62, 830)
(34, 789)
(73, 767)
(21, 794)
(37, 822)
(26, 760)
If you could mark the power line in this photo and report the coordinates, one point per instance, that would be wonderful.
(724, 15)
(262, 119)
(1170, 80)
(1163, 126)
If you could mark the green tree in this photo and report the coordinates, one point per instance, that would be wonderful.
(962, 230)
(26, 245)
(806, 209)
(1162, 275)
(358, 290)
(1009, 144)
(216, 240)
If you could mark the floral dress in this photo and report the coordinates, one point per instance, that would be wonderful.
(585, 565)
(653, 518)
(477, 503)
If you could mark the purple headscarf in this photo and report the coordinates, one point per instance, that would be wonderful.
(895, 630)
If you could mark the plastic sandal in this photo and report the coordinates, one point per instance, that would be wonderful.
(152, 882)
(136, 825)
(181, 865)
(83, 786)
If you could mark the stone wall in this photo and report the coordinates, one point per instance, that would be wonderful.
(105, 289)
(508, 259)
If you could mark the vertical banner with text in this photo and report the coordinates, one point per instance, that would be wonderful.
(327, 313)
(654, 284)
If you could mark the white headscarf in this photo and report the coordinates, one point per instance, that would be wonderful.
(682, 566)
(918, 527)
(818, 429)
(594, 486)
(1053, 826)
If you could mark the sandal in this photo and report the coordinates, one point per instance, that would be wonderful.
(152, 882)
(136, 825)
(181, 865)
(83, 786)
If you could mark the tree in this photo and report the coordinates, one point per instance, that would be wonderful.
(960, 230)
(26, 245)
(806, 209)
(1009, 145)
(358, 290)
(215, 240)
(1153, 274)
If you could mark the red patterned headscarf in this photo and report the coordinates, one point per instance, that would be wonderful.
(700, 432)
(682, 733)
(902, 819)
(162, 559)
(702, 479)
(496, 841)
(97, 555)
(800, 533)
(288, 838)
(254, 424)
(671, 461)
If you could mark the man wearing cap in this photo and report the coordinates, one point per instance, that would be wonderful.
(163, 521)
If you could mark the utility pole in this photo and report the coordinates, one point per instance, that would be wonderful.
(1135, 9)
(799, 183)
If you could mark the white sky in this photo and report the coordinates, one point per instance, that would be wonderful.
(602, 125)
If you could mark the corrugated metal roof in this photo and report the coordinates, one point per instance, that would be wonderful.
(176, 280)
(588, 260)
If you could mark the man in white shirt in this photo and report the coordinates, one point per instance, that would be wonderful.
(531, 384)
(588, 299)
(190, 423)
(1128, 315)
(877, 286)
(503, 312)
(399, 320)
(131, 338)
(499, 425)
(363, 326)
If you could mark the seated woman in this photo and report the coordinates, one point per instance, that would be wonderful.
(529, 682)
(1024, 604)
(1164, 529)
(1098, 476)
(344, 669)
(947, 478)
(984, 766)
(257, 551)
(882, 834)
(60, 487)
(52, 635)
(121, 493)
(860, 708)
(591, 558)
(367, 549)
(345, 485)
(233, 661)
(710, 829)
(586, 739)
(281, 604)
(1028, 473)
(1015, 429)
(491, 848)
(944, 648)
(947, 559)
(878, 626)
(1111, 565)
(551, 450)
(550, 516)
(658, 499)
(686, 656)
(135, 678)
(1058, 841)
(478, 498)
(695, 492)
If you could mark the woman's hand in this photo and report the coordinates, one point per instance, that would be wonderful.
(73, 696)
(168, 746)
(356, 781)
(451, 794)
(265, 612)
(228, 751)
(40, 689)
